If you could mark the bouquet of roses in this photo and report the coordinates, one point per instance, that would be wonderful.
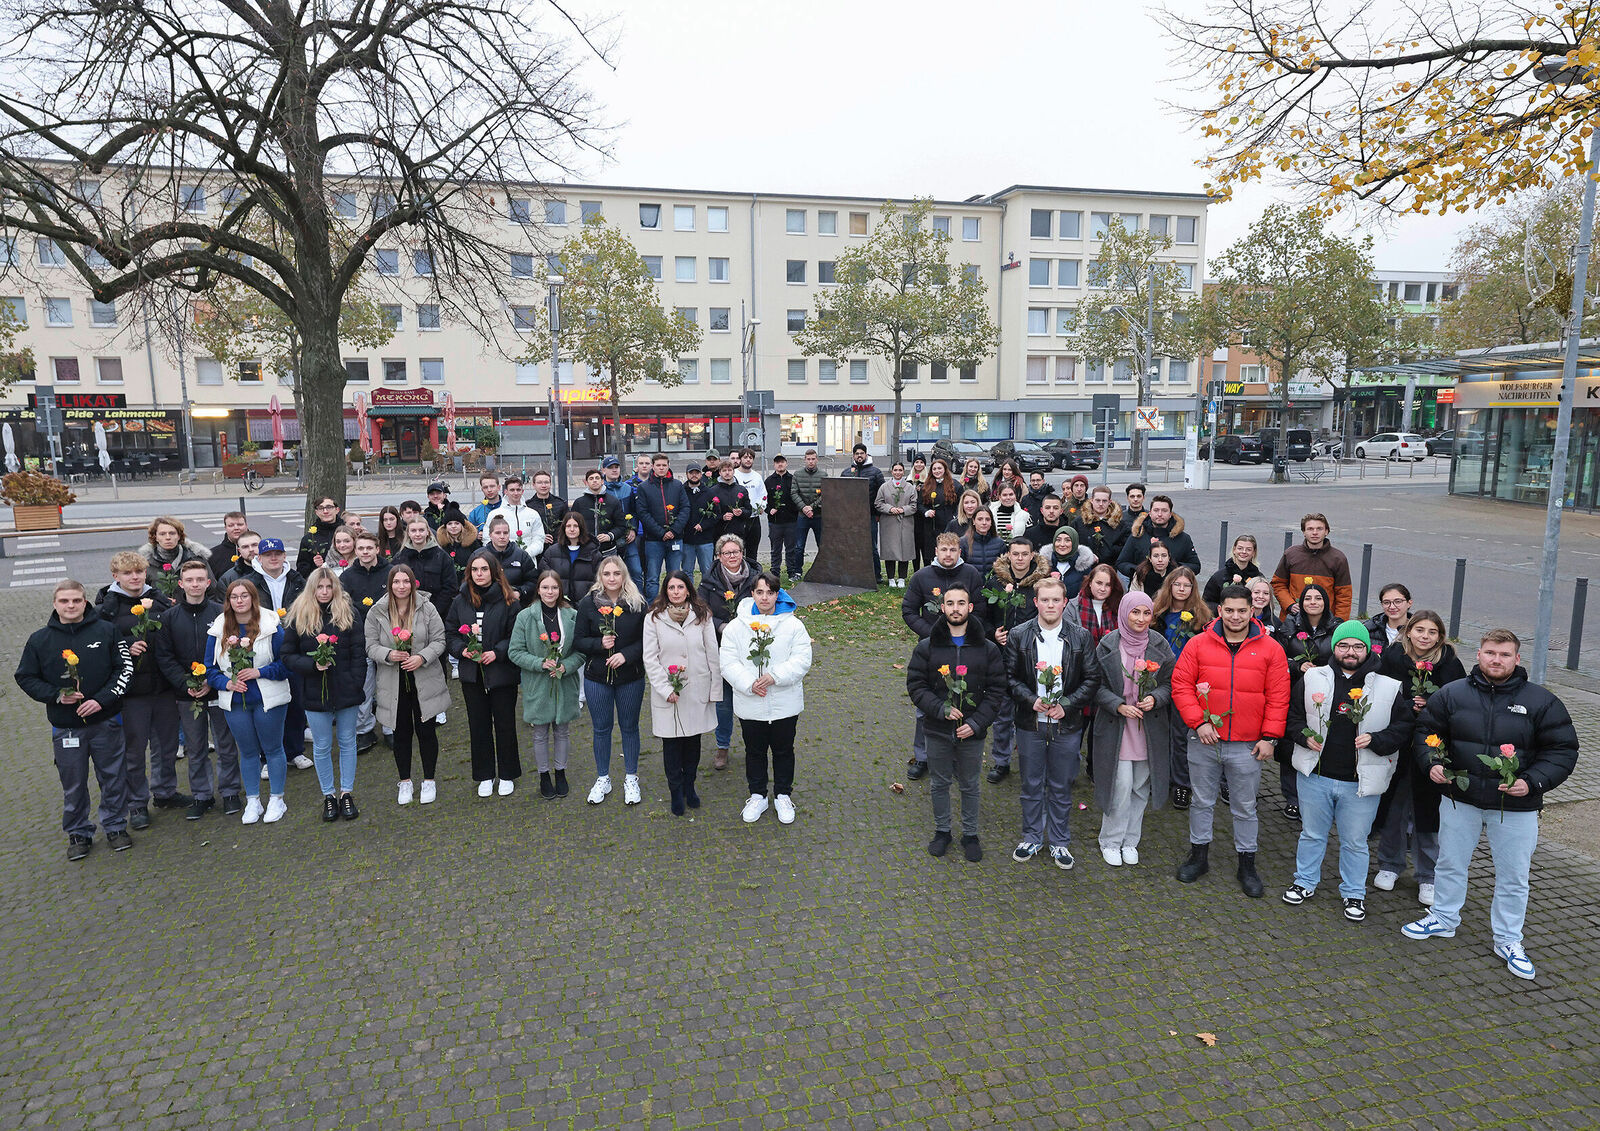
(760, 644)
(324, 653)
(1440, 756)
(71, 658)
(474, 646)
(400, 641)
(955, 685)
(1422, 684)
(1203, 690)
(146, 612)
(608, 627)
(552, 643)
(1143, 676)
(241, 654)
(167, 580)
(1506, 765)
(196, 682)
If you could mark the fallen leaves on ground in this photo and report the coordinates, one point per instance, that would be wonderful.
(1209, 1038)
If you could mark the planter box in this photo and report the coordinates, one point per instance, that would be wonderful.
(235, 469)
(36, 517)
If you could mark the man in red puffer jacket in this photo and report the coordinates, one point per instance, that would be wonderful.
(1231, 687)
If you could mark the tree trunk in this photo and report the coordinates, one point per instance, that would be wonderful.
(322, 452)
(1136, 438)
(894, 425)
(1281, 454)
(616, 416)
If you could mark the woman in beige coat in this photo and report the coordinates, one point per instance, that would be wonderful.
(405, 639)
(682, 668)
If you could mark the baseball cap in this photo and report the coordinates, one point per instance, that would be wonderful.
(439, 485)
(611, 461)
(269, 545)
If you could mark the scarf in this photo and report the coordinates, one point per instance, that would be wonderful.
(1132, 644)
(679, 613)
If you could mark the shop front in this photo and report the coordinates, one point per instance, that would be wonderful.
(131, 433)
(1505, 427)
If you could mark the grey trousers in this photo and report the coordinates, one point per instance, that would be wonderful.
(547, 736)
(1123, 823)
(75, 750)
(919, 741)
(1397, 835)
(1207, 765)
(150, 721)
(211, 725)
(1049, 765)
(1006, 736)
(367, 718)
(959, 760)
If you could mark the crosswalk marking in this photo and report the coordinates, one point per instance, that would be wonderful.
(38, 543)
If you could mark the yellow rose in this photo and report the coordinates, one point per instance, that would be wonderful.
(367, 601)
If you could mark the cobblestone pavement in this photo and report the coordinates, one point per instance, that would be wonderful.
(518, 962)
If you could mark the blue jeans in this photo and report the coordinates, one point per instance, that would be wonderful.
(1511, 844)
(1327, 803)
(625, 699)
(701, 554)
(258, 733)
(657, 554)
(630, 555)
(804, 526)
(1049, 757)
(323, 725)
(725, 717)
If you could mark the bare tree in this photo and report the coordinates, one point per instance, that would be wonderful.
(150, 143)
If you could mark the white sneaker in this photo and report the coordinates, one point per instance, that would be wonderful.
(1516, 959)
(264, 774)
(301, 762)
(753, 808)
(179, 754)
(630, 790)
(404, 797)
(1112, 856)
(439, 718)
(1384, 880)
(486, 787)
(1425, 894)
(506, 786)
(785, 808)
(252, 811)
(602, 786)
(1130, 855)
(455, 669)
(430, 790)
(275, 810)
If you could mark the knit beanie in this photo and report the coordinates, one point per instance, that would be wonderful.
(1352, 630)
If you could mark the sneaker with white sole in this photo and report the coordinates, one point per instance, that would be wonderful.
(404, 795)
(486, 788)
(1425, 894)
(1355, 910)
(440, 718)
(1061, 857)
(630, 790)
(1427, 927)
(753, 808)
(1296, 895)
(1130, 855)
(301, 762)
(430, 790)
(1026, 851)
(265, 774)
(506, 786)
(785, 808)
(1385, 879)
(602, 786)
(275, 810)
(1112, 856)
(252, 811)
(1516, 959)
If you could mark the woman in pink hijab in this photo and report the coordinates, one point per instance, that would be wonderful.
(1132, 721)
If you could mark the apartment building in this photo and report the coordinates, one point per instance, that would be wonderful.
(745, 267)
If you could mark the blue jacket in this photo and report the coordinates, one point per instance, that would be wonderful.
(621, 492)
(218, 679)
(653, 497)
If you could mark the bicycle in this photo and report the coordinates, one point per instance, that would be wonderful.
(252, 480)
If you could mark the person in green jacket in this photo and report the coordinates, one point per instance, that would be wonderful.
(542, 646)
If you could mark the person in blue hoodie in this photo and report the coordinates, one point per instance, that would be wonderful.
(621, 492)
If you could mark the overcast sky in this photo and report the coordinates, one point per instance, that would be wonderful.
(885, 97)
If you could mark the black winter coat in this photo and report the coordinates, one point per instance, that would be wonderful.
(116, 607)
(105, 666)
(1080, 675)
(1143, 531)
(319, 536)
(1319, 640)
(1425, 792)
(605, 519)
(783, 506)
(344, 684)
(362, 583)
(919, 608)
(577, 574)
(874, 478)
(1212, 593)
(522, 572)
(181, 641)
(701, 527)
(459, 557)
(725, 499)
(436, 574)
(652, 498)
(587, 634)
(223, 557)
(714, 587)
(496, 619)
(1104, 538)
(986, 679)
(1475, 716)
(551, 513)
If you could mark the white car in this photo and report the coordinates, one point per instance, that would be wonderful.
(1393, 445)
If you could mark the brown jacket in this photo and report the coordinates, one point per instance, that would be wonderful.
(1301, 566)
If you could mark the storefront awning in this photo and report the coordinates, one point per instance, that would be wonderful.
(387, 412)
(1547, 355)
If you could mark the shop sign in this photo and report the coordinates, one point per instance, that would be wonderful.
(1445, 396)
(584, 396)
(84, 400)
(395, 398)
(1233, 388)
(847, 408)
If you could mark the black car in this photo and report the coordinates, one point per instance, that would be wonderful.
(1236, 448)
(1029, 455)
(1299, 448)
(1074, 455)
(1444, 444)
(956, 453)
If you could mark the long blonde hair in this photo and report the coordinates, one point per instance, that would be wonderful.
(305, 615)
(632, 599)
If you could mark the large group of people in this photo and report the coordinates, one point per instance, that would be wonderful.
(1065, 630)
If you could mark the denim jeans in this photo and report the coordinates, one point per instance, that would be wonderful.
(700, 554)
(630, 555)
(367, 717)
(1512, 837)
(1398, 832)
(1326, 804)
(725, 717)
(1049, 765)
(624, 699)
(258, 732)
(324, 726)
(1004, 737)
(657, 555)
(803, 527)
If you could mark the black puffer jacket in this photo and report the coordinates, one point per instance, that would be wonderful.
(116, 606)
(436, 574)
(521, 572)
(586, 638)
(927, 586)
(714, 588)
(496, 619)
(986, 679)
(181, 642)
(104, 668)
(1212, 593)
(1475, 717)
(344, 684)
(363, 584)
(577, 574)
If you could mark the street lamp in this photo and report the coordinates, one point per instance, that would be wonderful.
(747, 350)
(557, 416)
(1144, 344)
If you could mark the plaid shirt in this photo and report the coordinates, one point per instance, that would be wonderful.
(1083, 606)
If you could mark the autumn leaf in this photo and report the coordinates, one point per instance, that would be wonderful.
(1209, 1038)
(897, 667)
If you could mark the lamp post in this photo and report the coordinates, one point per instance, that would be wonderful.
(747, 351)
(1144, 345)
(557, 416)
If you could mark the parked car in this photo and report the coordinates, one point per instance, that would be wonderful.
(957, 452)
(1299, 448)
(1236, 448)
(1074, 455)
(1444, 444)
(1393, 445)
(1030, 455)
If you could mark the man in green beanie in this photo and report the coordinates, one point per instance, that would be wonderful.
(1347, 735)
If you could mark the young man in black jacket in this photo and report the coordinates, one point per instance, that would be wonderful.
(602, 514)
(861, 467)
(699, 533)
(1494, 712)
(663, 510)
(920, 609)
(225, 555)
(957, 681)
(244, 564)
(366, 583)
(783, 507)
(552, 509)
(1160, 524)
(79, 666)
(179, 644)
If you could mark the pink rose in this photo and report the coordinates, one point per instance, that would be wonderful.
(322, 638)
(1318, 697)
(1507, 750)
(961, 669)
(332, 638)
(244, 642)
(464, 630)
(167, 567)
(1377, 649)
(1302, 636)
(1202, 689)
(1043, 666)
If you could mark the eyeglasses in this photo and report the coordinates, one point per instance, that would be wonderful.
(1387, 601)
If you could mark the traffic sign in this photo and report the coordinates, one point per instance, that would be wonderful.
(919, 407)
(1147, 418)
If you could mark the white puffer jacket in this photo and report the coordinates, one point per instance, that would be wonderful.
(790, 660)
(1373, 771)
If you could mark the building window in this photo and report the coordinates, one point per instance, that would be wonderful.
(49, 254)
(1039, 223)
(518, 210)
(825, 269)
(969, 372)
(1413, 292)
(1067, 272)
(828, 372)
(386, 260)
(15, 309)
(108, 370)
(721, 370)
(858, 223)
(521, 266)
(795, 271)
(908, 371)
(1253, 374)
(683, 268)
(249, 372)
(1122, 370)
(1160, 225)
(1094, 372)
(422, 263)
(427, 316)
(1038, 321)
(527, 373)
(1066, 320)
(683, 217)
(797, 321)
(555, 212)
(717, 269)
(65, 370)
(1099, 225)
(1186, 276)
(1187, 228)
(650, 216)
(58, 312)
(1177, 372)
(718, 323)
(797, 371)
(969, 228)
(432, 370)
(345, 206)
(192, 198)
(392, 315)
(794, 222)
(941, 224)
(690, 314)
(688, 371)
(1071, 227)
(1130, 222)
(524, 318)
(1037, 370)
(1098, 274)
(939, 371)
(208, 371)
(102, 313)
(1066, 370)
(382, 204)
(1448, 292)
(590, 210)
(652, 264)
(552, 264)
(716, 218)
(858, 372)
(1038, 272)
(394, 371)
(827, 223)
(356, 370)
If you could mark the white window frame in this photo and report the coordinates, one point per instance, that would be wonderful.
(422, 370)
(398, 323)
(685, 269)
(827, 371)
(797, 365)
(656, 227)
(971, 229)
(858, 371)
(789, 266)
(652, 264)
(724, 366)
(727, 320)
(1038, 322)
(54, 303)
(831, 226)
(1193, 223)
(1077, 224)
(346, 205)
(405, 370)
(715, 212)
(349, 376)
(381, 264)
(678, 213)
(791, 225)
(100, 377)
(688, 371)
(102, 313)
(1036, 370)
(716, 263)
(1034, 264)
(438, 318)
(520, 265)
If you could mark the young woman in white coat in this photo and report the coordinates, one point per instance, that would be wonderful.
(768, 692)
(682, 666)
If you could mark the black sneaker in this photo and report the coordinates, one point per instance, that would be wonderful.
(139, 818)
(1292, 812)
(999, 772)
(916, 770)
(1222, 792)
(232, 805)
(119, 841)
(198, 808)
(1355, 910)
(78, 846)
(940, 844)
(547, 785)
(365, 742)
(1180, 798)
(347, 807)
(971, 849)
(1296, 895)
(330, 808)
(561, 783)
(176, 801)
